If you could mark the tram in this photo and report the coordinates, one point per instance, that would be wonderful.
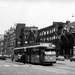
(43, 53)
(17, 53)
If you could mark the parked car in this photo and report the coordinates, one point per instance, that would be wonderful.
(7, 56)
(2, 57)
(61, 58)
(72, 58)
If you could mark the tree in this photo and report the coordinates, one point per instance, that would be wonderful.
(32, 36)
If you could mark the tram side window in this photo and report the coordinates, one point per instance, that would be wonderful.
(16, 52)
(21, 51)
(52, 49)
(33, 51)
(37, 51)
(28, 51)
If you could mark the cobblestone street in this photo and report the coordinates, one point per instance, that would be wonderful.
(15, 68)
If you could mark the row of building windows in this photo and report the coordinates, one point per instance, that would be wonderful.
(47, 32)
(49, 38)
(26, 37)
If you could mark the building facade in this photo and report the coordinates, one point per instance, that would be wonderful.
(68, 40)
(19, 27)
(25, 35)
(19, 36)
(51, 34)
(28, 35)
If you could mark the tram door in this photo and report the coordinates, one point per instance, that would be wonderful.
(37, 55)
(28, 53)
(41, 55)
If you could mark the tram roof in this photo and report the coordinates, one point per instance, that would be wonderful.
(49, 45)
(20, 48)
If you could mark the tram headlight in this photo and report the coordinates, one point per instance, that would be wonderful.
(45, 57)
(50, 57)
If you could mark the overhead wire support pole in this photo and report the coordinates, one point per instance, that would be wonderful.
(66, 38)
(58, 36)
(64, 33)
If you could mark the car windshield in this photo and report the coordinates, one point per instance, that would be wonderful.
(49, 51)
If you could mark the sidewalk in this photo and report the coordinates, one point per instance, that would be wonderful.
(67, 62)
(8, 60)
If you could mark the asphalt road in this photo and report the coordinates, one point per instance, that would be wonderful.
(7, 67)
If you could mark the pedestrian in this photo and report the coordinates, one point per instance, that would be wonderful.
(19, 57)
(12, 57)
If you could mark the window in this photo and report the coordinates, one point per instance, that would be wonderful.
(37, 51)
(44, 32)
(41, 39)
(18, 42)
(50, 31)
(50, 38)
(41, 33)
(26, 41)
(25, 37)
(54, 37)
(44, 39)
(34, 51)
(54, 29)
(47, 32)
(47, 39)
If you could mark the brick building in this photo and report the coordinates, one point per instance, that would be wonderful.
(18, 36)
(28, 35)
(51, 34)
(19, 27)
(25, 35)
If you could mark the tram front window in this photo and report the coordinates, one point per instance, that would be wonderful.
(49, 52)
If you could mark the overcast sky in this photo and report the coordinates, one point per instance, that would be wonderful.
(40, 13)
